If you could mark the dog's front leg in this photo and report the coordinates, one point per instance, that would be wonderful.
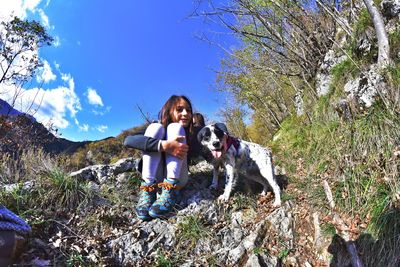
(214, 184)
(230, 179)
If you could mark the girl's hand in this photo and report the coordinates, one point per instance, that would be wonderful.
(175, 148)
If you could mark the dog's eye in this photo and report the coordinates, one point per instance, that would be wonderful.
(206, 138)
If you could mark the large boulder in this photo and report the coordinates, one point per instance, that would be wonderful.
(324, 77)
(102, 173)
(390, 8)
(364, 89)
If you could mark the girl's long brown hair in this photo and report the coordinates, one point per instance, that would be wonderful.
(165, 115)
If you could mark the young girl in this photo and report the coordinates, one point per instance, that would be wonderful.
(167, 145)
(198, 120)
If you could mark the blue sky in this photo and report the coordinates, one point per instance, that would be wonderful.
(109, 57)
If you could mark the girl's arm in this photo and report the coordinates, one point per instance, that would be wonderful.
(141, 142)
(149, 144)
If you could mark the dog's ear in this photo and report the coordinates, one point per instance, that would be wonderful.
(204, 132)
(222, 127)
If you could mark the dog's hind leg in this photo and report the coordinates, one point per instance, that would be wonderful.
(267, 171)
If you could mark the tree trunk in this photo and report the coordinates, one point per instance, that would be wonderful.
(379, 25)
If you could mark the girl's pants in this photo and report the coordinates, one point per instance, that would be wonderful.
(160, 165)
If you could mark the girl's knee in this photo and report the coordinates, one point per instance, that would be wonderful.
(155, 130)
(175, 129)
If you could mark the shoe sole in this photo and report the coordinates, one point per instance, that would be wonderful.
(145, 218)
(163, 216)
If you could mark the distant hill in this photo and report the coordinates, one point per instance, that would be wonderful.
(19, 131)
(8, 110)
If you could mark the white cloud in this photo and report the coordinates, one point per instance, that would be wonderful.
(93, 97)
(44, 18)
(45, 74)
(101, 112)
(56, 65)
(20, 8)
(55, 105)
(84, 128)
(30, 4)
(17, 8)
(56, 42)
(102, 128)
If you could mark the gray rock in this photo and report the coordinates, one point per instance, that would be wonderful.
(261, 260)
(282, 220)
(323, 76)
(131, 248)
(103, 173)
(390, 8)
(25, 186)
(366, 87)
(248, 244)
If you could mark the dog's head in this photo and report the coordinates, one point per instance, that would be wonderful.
(213, 137)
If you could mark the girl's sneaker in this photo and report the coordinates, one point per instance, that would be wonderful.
(164, 205)
(146, 199)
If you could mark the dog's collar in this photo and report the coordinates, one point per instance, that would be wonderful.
(231, 141)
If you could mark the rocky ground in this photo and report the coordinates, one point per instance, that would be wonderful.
(246, 231)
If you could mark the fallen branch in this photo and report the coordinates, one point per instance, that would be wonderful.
(328, 193)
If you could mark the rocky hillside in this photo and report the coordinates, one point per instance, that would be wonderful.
(7, 110)
(247, 231)
(20, 131)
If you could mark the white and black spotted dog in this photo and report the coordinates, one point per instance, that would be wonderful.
(237, 156)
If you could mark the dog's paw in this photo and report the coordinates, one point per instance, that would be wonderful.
(223, 199)
(277, 204)
(213, 187)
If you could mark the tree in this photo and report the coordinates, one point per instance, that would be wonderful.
(19, 60)
(19, 43)
(383, 41)
(283, 43)
(293, 34)
(234, 117)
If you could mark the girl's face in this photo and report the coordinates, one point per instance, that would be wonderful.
(182, 113)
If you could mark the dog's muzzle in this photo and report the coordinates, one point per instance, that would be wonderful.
(217, 153)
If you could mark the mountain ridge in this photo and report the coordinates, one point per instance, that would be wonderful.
(20, 131)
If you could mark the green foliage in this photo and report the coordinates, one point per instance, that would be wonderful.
(20, 41)
(328, 229)
(260, 250)
(356, 157)
(364, 20)
(162, 260)
(16, 199)
(190, 230)
(234, 117)
(343, 71)
(394, 41)
(242, 201)
(105, 151)
(75, 259)
(212, 261)
(283, 254)
(392, 74)
(63, 191)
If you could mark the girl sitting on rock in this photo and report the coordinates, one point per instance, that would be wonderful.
(166, 147)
